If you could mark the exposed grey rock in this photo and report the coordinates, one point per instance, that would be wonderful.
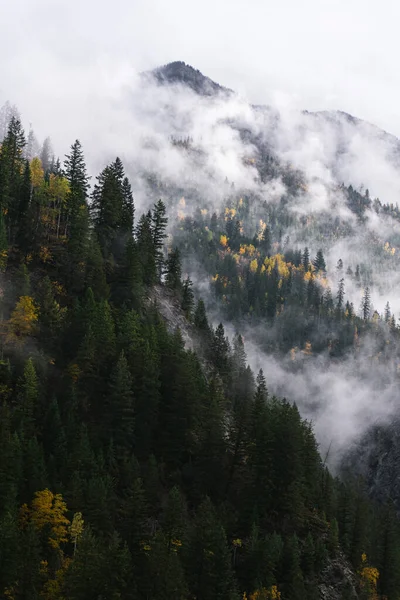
(338, 581)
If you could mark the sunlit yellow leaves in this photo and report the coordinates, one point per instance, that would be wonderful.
(369, 578)
(278, 261)
(182, 202)
(203, 212)
(307, 349)
(248, 249)
(49, 509)
(223, 240)
(37, 173)
(271, 593)
(176, 544)
(254, 265)
(23, 317)
(230, 213)
(387, 248)
(261, 231)
(58, 187)
(45, 254)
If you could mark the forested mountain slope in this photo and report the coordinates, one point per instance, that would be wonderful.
(140, 460)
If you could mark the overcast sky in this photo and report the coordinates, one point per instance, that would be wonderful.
(58, 58)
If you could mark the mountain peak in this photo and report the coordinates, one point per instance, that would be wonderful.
(179, 72)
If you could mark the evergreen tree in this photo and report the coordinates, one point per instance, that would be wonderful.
(306, 259)
(366, 304)
(120, 418)
(76, 226)
(187, 303)
(340, 294)
(158, 225)
(319, 262)
(173, 270)
(208, 561)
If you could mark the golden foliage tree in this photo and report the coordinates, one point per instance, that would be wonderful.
(48, 511)
(369, 579)
(23, 318)
(37, 172)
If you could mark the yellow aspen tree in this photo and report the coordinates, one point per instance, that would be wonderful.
(76, 528)
(49, 509)
(58, 190)
(23, 317)
(37, 172)
(369, 578)
(254, 265)
(223, 241)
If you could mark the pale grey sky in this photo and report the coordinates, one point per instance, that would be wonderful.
(60, 57)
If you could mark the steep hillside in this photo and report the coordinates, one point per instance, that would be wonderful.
(180, 377)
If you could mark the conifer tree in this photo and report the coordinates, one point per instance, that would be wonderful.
(158, 225)
(366, 304)
(120, 418)
(76, 226)
(208, 561)
(187, 303)
(319, 262)
(173, 270)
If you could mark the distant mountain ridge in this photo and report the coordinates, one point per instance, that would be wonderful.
(179, 72)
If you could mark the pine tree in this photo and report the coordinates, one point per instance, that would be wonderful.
(319, 262)
(187, 303)
(366, 304)
(388, 313)
(158, 225)
(173, 270)
(128, 209)
(340, 294)
(306, 259)
(11, 173)
(76, 220)
(28, 398)
(292, 575)
(208, 561)
(147, 250)
(120, 418)
(220, 351)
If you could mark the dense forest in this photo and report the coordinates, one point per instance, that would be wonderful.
(132, 466)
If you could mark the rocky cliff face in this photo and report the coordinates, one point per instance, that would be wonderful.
(338, 580)
(169, 308)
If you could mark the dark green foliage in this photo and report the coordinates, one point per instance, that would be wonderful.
(187, 303)
(173, 270)
(319, 262)
(208, 560)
